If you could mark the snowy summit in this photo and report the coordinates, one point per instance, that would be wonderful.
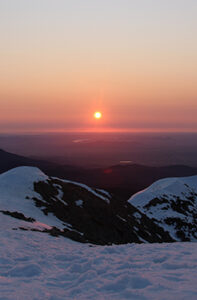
(172, 204)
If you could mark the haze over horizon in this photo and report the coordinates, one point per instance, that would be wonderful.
(61, 61)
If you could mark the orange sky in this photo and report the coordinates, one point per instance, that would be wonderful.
(60, 62)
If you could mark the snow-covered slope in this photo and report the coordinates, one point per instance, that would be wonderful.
(28, 194)
(34, 265)
(17, 192)
(37, 266)
(172, 204)
(164, 212)
(74, 210)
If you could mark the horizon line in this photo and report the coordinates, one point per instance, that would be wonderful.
(90, 130)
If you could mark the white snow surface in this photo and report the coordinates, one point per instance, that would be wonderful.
(169, 189)
(15, 186)
(84, 186)
(177, 186)
(34, 265)
(79, 203)
(17, 192)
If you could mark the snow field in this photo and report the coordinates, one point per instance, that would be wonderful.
(35, 265)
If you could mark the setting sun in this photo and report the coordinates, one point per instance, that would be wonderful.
(97, 115)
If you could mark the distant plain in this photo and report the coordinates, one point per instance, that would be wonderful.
(92, 150)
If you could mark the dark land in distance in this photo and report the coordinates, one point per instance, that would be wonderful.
(122, 163)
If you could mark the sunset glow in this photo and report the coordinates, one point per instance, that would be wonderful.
(98, 115)
(135, 60)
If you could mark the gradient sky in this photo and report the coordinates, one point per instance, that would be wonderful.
(61, 60)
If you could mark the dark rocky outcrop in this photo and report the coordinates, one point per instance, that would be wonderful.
(100, 219)
(17, 215)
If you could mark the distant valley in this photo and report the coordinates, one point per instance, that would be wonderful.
(122, 180)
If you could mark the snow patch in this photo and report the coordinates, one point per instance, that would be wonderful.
(79, 203)
(84, 186)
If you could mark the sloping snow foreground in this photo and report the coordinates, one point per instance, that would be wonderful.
(35, 265)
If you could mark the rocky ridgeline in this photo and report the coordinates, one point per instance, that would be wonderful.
(94, 216)
(162, 213)
(172, 204)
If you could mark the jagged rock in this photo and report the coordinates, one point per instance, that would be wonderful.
(172, 203)
(165, 212)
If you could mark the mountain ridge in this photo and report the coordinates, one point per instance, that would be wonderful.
(164, 212)
(172, 203)
(123, 181)
(73, 210)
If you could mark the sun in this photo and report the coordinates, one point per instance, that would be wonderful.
(98, 115)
